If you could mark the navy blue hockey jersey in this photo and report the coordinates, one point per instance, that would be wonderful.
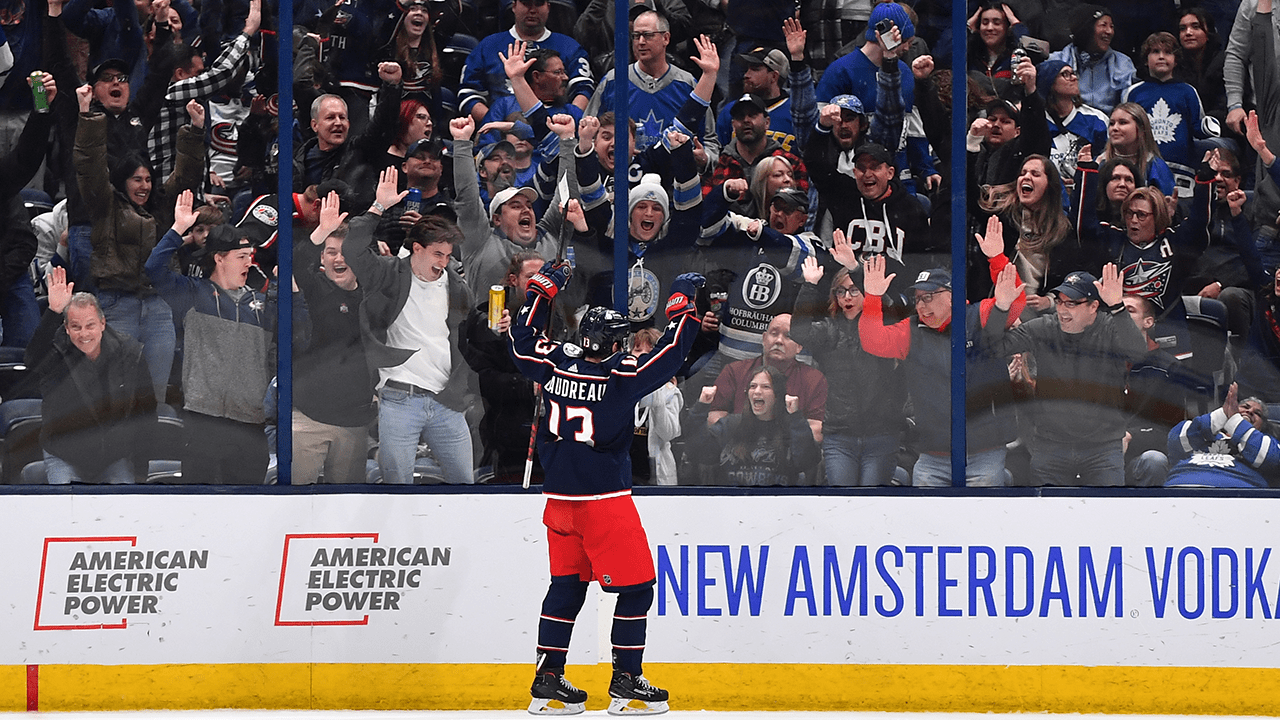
(584, 439)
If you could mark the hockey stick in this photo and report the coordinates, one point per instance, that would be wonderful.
(563, 191)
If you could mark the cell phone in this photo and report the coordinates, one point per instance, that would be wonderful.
(885, 28)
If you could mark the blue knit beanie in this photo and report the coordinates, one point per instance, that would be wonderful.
(1046, 74)
(894, 12)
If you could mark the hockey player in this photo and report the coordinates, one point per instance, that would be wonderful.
(589, 395)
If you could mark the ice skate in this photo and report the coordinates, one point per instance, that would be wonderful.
(554, 695)
(635, 696)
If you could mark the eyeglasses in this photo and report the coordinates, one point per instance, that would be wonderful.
(1070, 304)
(926, 298)
(1067, 73)
(1137, 214)
(646, 35)
(847, 292)
(113, 77)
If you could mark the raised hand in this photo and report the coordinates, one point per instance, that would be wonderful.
(708, 394)
(84, 94)
(1007, 287)
(708, 58)
(829, 115)
(796, 36)
(1111, 286)
(253, 21)
(874, 281)
(1235, 201)
(551, 279)
(390, 72)
(792, 403)
(387, 193)
(992, 244)
(183, 215)
(514, 63)
(331, 216)
(562, 125)
(575, 217)
(195, 111)
(588, 126)
(675, 138)
(812, 270)
(462, 127)
(735, 188)
(842, 250)
(1230, 404)
(60, 291)
(981, 127)
(1254, 135)
(922, 67)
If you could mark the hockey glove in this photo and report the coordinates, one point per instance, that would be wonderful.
(683, 292)
(551, 279)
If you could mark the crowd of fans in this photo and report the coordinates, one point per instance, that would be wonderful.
(1122, 274)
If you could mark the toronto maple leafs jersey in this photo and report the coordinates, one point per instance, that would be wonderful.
(1082, 126)
(588, 420)
(1218, 451)
(483, 78)
(1177, 119)
(655, 103)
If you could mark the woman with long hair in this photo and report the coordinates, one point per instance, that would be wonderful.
(413, 45)
(1129, 137)
(1116, 178)
(131, 210)
(1039, 238)
(1202, 60)
(768, 443)
(769, 176)
(862, 429)
(994, 31)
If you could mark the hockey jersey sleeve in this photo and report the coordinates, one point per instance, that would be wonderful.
(639, 377)
(533, 352)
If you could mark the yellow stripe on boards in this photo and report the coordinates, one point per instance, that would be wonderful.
(903, 688)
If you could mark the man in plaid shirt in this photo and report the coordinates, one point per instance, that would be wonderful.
(191, 81)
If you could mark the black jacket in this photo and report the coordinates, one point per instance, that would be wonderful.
(95, 412)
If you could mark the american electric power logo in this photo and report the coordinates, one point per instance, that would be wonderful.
(340, 578)
(97, 583)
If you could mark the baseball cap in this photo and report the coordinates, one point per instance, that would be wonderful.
(795, 198)
(746, 102)
(930, 280)
(109, 64)
(224, 238)
(506, 194)
(771, 58)
(503, 145)
(260, 220)
(428, 146)
(1078, 285)
(1004, 106)
(848, 102)
(878, 152)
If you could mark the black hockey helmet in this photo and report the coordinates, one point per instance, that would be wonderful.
(601, 327)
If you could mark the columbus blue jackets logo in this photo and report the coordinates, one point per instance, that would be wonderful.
(642, 293)
(762, 286)
(1148, 279)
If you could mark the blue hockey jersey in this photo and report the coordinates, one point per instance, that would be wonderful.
(483, 78)
(1177, 119)
(1218, 451)
(584, 439)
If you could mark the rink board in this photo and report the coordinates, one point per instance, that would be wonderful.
(1133, 605)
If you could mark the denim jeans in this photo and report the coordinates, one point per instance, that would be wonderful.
(149, 321)
(854, 461)
(19, 311)
(981, 469)
(60, 472)
(1077, 463)
(406, 419)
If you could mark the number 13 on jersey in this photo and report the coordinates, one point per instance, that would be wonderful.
(586, 429)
